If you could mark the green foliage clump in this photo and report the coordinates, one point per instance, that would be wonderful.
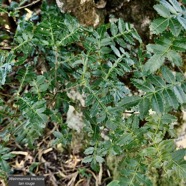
(122, 81)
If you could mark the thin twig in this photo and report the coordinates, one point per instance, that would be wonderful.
(5, 48)
(25, 6)
(6, 95)
(100, 174)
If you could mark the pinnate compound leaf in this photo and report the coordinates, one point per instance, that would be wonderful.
(33, 111)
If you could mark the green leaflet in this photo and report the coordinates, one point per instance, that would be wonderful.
(169, 6)
(182, 21)
(5, 155)
(144, 106)
(159, 25)
(154, 63)
(99, 159)
(157, 81)
(159, 48)
(174, 57)
(174, 26)
(6, 64)
(121, 26)
(168, 118)
(170, 98)
(169, 145)
(176, 5)
(150, 152)
(89, 150)
(179, 44)
(178, 155)
(181, 96)
(116, 51)
(129, 102)
(125, 139)
(162, 10)
(181, 170)
(157, 103)
(172, 17)
(105, 41)
(114, 183)
(167, 75)
(87, 159)
(144, 86)
(114, 29)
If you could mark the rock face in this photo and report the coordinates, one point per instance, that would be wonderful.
(86, 11)
(96, 12)
(137, 12)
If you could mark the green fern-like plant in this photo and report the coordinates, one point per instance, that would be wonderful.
(130, 90)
